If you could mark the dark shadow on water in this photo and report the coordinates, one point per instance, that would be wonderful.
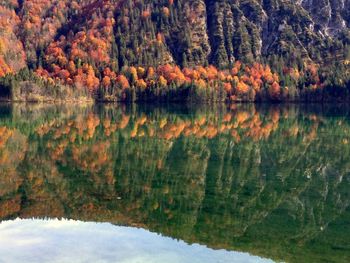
(5, 110)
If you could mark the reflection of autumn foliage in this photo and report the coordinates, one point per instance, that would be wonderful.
(91, 158)
(211, 176)
(232, 123)
(86, 143)
(12, 152)
(5, 134)
(237, 123)
(10, 207)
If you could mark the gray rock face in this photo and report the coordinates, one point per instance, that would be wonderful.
(329, 16)
(251, 29)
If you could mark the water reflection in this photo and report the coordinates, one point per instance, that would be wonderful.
(74, 241)
(271, 181)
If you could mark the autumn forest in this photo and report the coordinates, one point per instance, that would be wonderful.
(159, 51)
(192, 131)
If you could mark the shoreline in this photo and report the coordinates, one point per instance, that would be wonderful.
(147, 102)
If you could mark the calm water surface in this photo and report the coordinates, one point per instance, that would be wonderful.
(113, 183)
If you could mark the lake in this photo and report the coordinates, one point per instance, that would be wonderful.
(174, 183)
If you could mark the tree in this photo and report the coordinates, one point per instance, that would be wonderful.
(106, 82)
(141, 84)
(274, 91)
(162, 81)
(123, 82)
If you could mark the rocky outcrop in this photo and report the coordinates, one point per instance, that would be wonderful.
(250, 29)
(329, 16)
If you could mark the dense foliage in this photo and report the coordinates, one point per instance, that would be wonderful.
(174, 50)
(241, 178)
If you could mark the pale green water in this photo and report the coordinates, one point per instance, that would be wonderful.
(269, 181)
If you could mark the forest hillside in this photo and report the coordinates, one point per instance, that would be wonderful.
(224, 50)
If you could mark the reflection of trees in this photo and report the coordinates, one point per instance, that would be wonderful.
(270, 181)
(12, 149)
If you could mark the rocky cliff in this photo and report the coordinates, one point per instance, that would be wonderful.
(292, 29)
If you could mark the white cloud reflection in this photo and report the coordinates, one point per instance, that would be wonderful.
(73, 241)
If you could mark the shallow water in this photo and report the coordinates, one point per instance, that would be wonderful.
(181, 183)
